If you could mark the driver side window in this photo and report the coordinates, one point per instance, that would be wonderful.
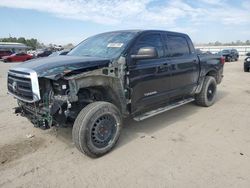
(150, 40)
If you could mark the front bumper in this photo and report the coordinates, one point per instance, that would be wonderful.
(44, 115)
(39, 116)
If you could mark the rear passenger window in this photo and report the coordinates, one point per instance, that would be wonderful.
(177, 46)
(150, 40)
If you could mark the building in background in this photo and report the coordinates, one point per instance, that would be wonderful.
(13, 47)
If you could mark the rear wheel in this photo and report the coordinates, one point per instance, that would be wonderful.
(97, 128)
(208, 93)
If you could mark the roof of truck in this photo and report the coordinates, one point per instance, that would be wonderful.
(146, 30)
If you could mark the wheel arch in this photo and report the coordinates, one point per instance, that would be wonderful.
(109, 87)
(210, 72)
(213, 73)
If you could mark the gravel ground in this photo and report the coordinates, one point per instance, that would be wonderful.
(189, 146)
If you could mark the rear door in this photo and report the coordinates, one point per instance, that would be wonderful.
(184, 65)
(149, 78)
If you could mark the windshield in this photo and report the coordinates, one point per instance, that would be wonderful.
(225, 51)
(106, 45)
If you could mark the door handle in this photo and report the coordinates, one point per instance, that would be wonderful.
(163, 65)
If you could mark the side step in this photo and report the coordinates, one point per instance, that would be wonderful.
(162, 109)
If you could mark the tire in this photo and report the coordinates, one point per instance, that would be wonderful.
(97, 129)
(7, 60)
(207, 95)
(246, 69)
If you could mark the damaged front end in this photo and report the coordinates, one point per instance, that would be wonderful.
(56, 97)
(53, 106)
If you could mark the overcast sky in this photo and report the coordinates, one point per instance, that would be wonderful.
(70, 21)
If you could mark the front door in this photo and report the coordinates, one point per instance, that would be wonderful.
(149, 78)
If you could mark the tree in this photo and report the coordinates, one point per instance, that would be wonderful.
(217, 43)
(21, 40)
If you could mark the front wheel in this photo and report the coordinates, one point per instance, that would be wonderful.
(97, 128)
(208, 93)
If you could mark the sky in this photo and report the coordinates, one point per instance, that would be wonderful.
(71, 21)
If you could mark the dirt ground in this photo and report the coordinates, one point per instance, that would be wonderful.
(187, 147)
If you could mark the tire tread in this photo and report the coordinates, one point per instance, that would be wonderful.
(80, 124)
(200, 98)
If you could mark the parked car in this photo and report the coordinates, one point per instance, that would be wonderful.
(45, 53)
(208, 52)
(62, 52)
(198, 51)
(247, 63)
(111, 76)
(230, 54)
(5, 53)
(17, 57)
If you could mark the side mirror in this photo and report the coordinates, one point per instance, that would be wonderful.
(145, 53)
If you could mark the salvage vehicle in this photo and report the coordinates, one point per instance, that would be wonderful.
(247, 63)
(230, 55)
(18, 57)
(111, 76)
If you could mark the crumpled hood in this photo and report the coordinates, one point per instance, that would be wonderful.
(55, 67)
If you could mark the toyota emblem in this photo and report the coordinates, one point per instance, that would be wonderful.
(14, 86)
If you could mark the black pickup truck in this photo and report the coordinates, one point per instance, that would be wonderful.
(230, 55)
(111, 76)
(247, 63)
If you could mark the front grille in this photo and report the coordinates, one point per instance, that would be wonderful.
(20, 87)
(23, 85)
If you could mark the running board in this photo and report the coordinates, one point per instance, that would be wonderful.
(162, 109)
